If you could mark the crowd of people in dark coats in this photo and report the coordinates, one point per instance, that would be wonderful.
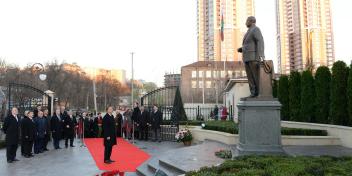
(36, 128)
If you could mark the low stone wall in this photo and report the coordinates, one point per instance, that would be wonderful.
(342, 132)
(232, 139)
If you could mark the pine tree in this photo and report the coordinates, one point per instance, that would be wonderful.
(295, 96)
(283, 95)
(338, 107)
(322, 90)
(307, 97)
(178, 111)
(275, 87)
(349, 95)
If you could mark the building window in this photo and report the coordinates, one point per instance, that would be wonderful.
(194, 74)
(194, 84)
(237, 74)
(244, 73)
(201, 84)
(223, 74)
(208, 74)
(200, 74)
(208, 84)
(216, 74)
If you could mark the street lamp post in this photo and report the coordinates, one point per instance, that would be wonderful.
(132, 53)
(38, 67)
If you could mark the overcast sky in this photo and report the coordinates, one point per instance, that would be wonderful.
(102, 33)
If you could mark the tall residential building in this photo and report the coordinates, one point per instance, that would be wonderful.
(304, 35)
(210, 14)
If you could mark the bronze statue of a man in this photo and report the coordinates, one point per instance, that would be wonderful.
(253, 52)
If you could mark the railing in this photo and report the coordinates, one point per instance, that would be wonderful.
(206, 113)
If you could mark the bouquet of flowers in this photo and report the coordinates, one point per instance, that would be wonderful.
(184, 135)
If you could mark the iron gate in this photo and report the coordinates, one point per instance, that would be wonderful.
(164, 98)
(26, 97)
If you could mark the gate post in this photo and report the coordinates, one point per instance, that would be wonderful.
(51, 94)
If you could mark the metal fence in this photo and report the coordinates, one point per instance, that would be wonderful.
(206, 113)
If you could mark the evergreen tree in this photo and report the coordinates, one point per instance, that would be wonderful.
(307, 97)
(283, 96)
(322, 90)
(178, 111)
(295, 96)
(349, 95)
(338, 106)
(275, 84)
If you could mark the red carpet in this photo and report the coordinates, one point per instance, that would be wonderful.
(127, 156)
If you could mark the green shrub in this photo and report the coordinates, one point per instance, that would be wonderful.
(224, 154)
(279, 165)
(307, 97)
(232, 128)
(295, 96)
(223, 126)
(303, 132)
(189, 122)
(349, 95)
(283, 95)
(338, 106)
(2, 144)
(322, 91)
(275, 88)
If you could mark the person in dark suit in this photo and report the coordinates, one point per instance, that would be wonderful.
(143, 119)
(135, 114)
(36, 110)
(118, 123)
(12, 129)
(156, 120)
(56, 128)
(69, 128)
(85, 125)
(40, 126)
(63, 115)
(48, 128)
(28, 134)
(97, 125)
(253, 52)
(109, 133)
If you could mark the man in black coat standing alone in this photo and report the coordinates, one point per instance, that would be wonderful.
(12, 129)
(109, 133)
(69, 128)
(28, 132)
(156, 120)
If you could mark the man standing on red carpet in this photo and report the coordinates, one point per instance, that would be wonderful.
(109, 133)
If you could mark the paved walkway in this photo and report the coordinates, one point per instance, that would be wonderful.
(69, 162)
(78, 161)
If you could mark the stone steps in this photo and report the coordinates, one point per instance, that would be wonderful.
(150, 167)
(177, 162)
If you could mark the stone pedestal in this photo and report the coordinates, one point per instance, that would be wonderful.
(259, 127)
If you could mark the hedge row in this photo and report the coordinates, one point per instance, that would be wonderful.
(279, 165)
(232, 128)
(190, 122)
(2, 144)
(325, 97)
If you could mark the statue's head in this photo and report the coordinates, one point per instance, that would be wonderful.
(250, 21)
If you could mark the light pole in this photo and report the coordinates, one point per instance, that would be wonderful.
(132, 53)
(38, 67)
